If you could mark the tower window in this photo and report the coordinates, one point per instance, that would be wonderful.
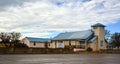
(101, 43)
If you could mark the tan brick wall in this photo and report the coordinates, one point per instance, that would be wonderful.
(73, 43)
(94, 45)
(100, 32)
(52, 44)
(66, 43)
(77, 42)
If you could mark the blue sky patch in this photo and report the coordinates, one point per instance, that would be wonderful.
(59, 3)
(85, 0)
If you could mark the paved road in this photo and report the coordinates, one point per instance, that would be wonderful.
(61, 59)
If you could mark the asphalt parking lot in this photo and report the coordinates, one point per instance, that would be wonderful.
(61, 59)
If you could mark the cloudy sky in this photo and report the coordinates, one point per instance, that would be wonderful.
(47, 18)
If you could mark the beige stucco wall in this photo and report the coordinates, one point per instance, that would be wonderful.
(31, 44)
(38, 45)
(26, 41)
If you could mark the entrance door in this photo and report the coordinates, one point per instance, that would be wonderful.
(60, 45)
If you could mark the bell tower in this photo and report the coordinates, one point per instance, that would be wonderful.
(99, 31)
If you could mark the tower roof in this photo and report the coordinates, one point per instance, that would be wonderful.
(98, 25)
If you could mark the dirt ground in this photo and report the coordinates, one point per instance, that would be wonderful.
(61, 59)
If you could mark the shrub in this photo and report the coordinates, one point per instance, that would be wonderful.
(89, 49)
(20, 45)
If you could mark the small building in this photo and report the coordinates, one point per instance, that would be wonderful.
(93, 38)
(36, 42)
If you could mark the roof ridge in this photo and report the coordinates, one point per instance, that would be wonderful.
(77, 31)
(37, 38)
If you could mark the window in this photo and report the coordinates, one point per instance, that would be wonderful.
(34, 43)
(48, 44)
(101, 43)
(95, 44)
(69, 43)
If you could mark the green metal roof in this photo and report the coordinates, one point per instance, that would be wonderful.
(38, 39)
(74, 35)
(92, 39)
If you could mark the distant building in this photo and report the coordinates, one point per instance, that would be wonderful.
(36, 42)
(93, 38)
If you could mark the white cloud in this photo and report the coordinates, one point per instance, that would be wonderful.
(36, 34)
(69, 15)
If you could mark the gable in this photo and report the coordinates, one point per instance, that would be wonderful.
(92, 39)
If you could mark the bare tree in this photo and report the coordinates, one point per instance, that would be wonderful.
(9, 39)
(115, 40)
(107, 35)
(15, 37)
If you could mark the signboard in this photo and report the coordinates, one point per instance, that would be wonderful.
(60, 45)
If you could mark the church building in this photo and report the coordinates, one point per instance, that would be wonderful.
(93, 38)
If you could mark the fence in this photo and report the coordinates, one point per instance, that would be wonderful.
(49, 51)
(35, 51)
(117, 51)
